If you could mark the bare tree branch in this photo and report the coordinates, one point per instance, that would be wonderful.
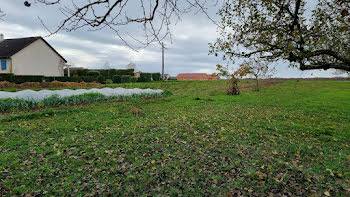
(154, 17)
(2, 14)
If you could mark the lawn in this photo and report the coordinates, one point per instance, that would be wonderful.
(289, 139)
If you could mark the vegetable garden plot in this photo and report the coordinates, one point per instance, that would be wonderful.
(27, 99)
(109, 92)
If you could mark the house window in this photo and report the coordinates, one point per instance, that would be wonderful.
(3, 65)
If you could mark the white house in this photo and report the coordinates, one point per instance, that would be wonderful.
(30, 56)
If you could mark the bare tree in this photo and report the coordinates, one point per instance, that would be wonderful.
(131, 65)
(106, 65)
(152, 16)
(234, 76)
(259, 69)
(2, 14)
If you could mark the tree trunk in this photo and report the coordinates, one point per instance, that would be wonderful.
(257, 84)
(233, 88)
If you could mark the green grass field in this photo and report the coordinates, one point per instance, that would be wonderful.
(288, 139)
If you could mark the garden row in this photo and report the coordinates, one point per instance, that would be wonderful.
(69, 97)
(120, 76)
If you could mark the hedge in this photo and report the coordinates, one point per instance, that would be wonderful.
(145, 77)
(33, 78)
(126, 79)
(6, 77)
(88, 79)
(101, 79)
(133, 79)
(103, 72)
(111, 73)
(93, 73)
(107, 73)
(62, 79)
(117, 79)
(125, 72)
(74, 72)
(26, 78)
(83, 72)
(156, 76)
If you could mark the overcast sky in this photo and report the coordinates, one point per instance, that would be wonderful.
(188, 51)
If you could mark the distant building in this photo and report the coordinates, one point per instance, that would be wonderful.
(196, 77)
(166, 76)
(137, 74)
(30, 56)
(213, 77)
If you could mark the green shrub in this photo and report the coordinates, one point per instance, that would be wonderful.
(145, 77)
(111, 73)
(126, 79)
(48, 79)
(7, 77)
(62, 79)
(104, 72)
(76, 72)
(133, 79)
(109, 81)
(27, 78)
(93, 73)
(125, 72)
(75, 79)
(82, 72)
(156, 76)
(116, 79)
(88, 79)
(101, 79)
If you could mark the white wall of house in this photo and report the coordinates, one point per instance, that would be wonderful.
(8, 66)
(37, 59)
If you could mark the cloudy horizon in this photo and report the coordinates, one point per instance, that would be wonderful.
(186, 52)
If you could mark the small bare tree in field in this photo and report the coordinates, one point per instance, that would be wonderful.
(234, 77)
(259, 69)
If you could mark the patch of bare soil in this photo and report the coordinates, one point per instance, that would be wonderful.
(251, 86)
(262, 83)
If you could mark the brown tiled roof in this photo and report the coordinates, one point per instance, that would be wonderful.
(9, 47)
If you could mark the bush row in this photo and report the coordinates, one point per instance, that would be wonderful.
(92, 77)
(147, 77)
(107, 73)
(124, 79)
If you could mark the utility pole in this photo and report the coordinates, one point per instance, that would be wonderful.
(163, 61)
